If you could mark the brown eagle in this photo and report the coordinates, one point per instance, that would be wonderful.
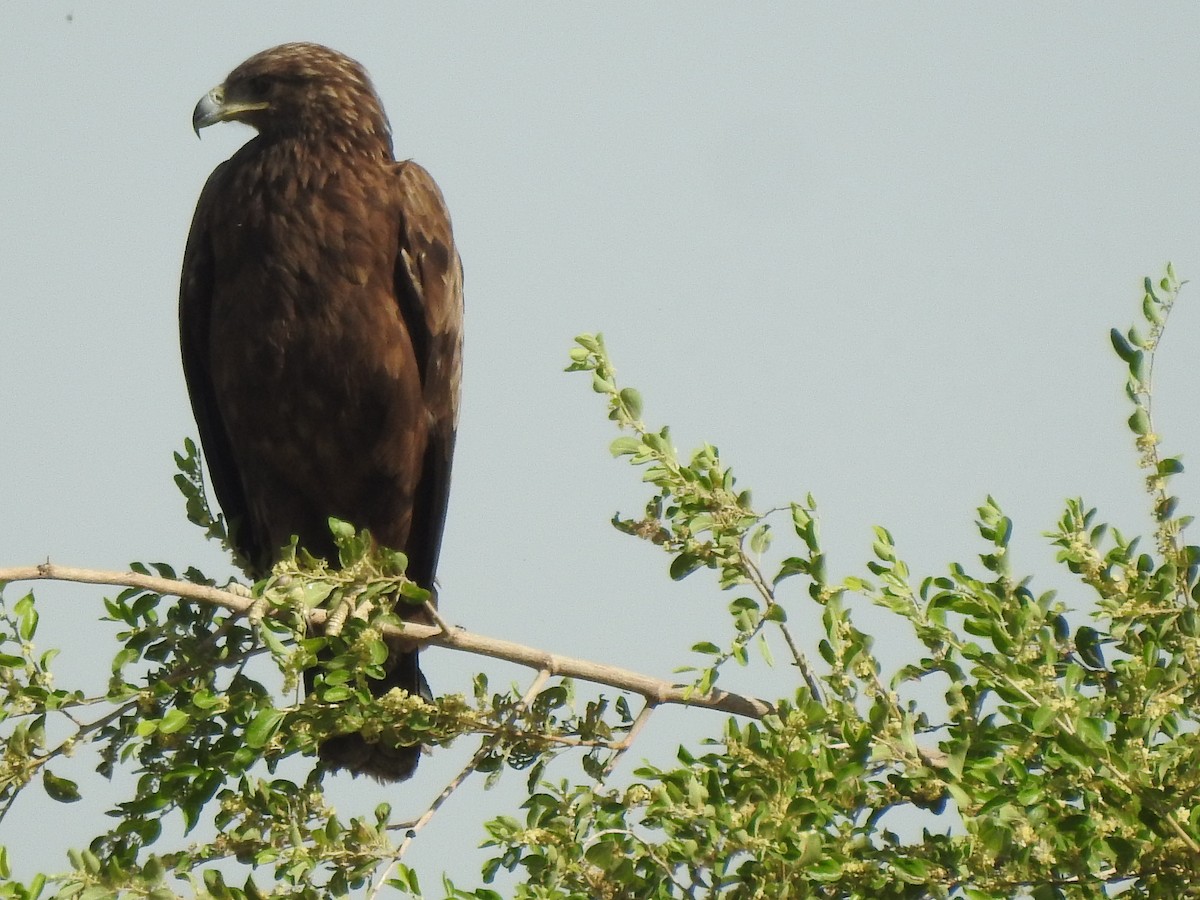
(320, 316)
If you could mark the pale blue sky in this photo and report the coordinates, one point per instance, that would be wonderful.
(871, 252)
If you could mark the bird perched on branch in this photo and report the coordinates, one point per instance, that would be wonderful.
(321, 327)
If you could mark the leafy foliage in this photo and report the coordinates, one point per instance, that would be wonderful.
(187, 711)
(1030, 750)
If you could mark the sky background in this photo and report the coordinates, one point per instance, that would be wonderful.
(871, 252)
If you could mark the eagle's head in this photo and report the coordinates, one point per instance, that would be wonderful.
(303, 90)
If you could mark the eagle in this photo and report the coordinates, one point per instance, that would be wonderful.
(320, 317)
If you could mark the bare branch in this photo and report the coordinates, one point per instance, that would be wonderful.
(655, 690)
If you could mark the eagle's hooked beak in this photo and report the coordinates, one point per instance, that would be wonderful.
(212, 108)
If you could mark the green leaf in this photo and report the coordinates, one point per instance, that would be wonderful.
(765, 650)
(27, 617)
(339, 528)
(811, 846)
(336, 693)
(414, 592)
(1092, 731)
(1139, 422)
(760, 539)
(61, 789)
(1087, 644)
(625, 446)
(1139, 367)
(1122, 345)
(263, 727)
(1172, 465)
(377, 653)
(174, 720)
(633, 402)
(1042, 717)
(684, 565)
(825, 870)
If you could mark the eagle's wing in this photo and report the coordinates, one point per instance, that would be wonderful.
(195, 311)
(429, 284)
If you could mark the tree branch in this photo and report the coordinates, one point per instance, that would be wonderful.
(655, 690)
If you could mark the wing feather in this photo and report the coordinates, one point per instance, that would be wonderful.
(429, 285)
(195, 315)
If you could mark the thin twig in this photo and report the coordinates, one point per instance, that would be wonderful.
(437, 617)
(801, 660)
(768, 593)
(638, 724)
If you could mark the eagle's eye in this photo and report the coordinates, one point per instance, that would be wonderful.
(259, 86)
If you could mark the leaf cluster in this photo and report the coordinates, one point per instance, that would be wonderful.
(1030, 749)
(189, 709)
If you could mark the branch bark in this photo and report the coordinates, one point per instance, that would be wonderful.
(656, 691)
